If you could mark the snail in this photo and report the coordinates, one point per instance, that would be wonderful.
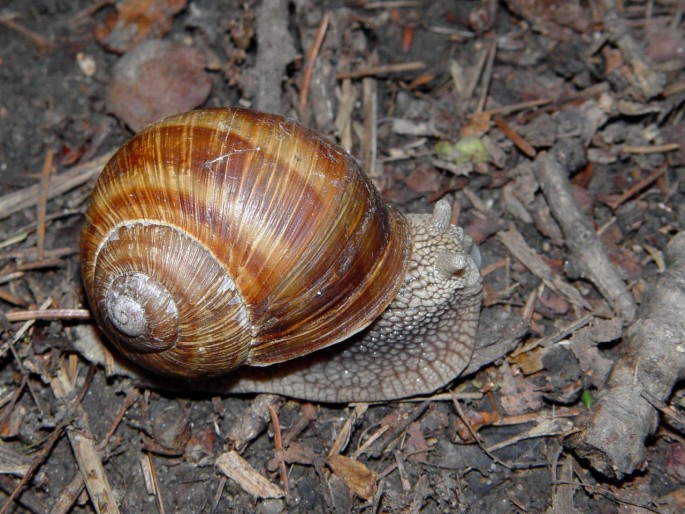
(236, 246)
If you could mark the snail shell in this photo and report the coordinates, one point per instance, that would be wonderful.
(227, 237)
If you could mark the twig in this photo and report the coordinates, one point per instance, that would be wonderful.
(518, 247)
(614, 201)
(401, 427)
(41, 44)
(70, 493)
(474, 435)
(53, 262)
(59, 184)
(309, 64)
(520, 143)
(84, 448)
(508, 109)
(39, 459)
(155, 481)
(370, 139)
(382, 69)
(610, 494)
(487, 76)
(644, 150)
(85, 15)
(32, 504)
(476, 74)
(581, 238)
(43, 202)
(13, 299)
(278, 446)
(47, 449)
(30, 254)
(347, 97)
(566, 331)
(13, 317)
(392, 4)
(614, 433)
(49, 314)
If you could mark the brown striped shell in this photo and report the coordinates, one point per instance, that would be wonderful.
(224, 237)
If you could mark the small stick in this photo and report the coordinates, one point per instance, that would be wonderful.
(401, 427)
(26, 326)
(61, 183)
(275, 50)
(155, 481)
(10, 344)
(309, 414)
(581, 238)
(310, 62)
(520, 249)
(41, 44)
(30, 503)
(85, 15)
(9, 277)
(52, 262)
(370, 126)
(347, 97)
(393, 4)
(13, 317)
(39, 459)
(520, 143)
(219, 493)
(641, 184)
(674, 89)
(70, 493)
(487, 76)
(480, 65)
(43, 202)
(557, 412)
(278, 445)
(508, 109)
(13, 299)
(644, 150)
(83, 445)
(564, 332)
(475, 435)
(382, 69)
(31, 253)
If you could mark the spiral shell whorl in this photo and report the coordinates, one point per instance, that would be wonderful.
(167, 303)
(132, 301)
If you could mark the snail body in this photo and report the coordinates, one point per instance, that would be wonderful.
(225, 238)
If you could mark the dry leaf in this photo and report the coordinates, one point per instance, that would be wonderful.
(360, 479)
(477, 125)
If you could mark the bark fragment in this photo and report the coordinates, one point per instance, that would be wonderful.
(614, 432)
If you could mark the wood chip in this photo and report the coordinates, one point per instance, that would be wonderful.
(248, 478)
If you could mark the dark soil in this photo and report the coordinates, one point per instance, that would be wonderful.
(54, 98)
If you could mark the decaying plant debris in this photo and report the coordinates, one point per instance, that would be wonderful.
(554, 127)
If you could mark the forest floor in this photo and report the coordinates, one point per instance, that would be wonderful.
(554, 128)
